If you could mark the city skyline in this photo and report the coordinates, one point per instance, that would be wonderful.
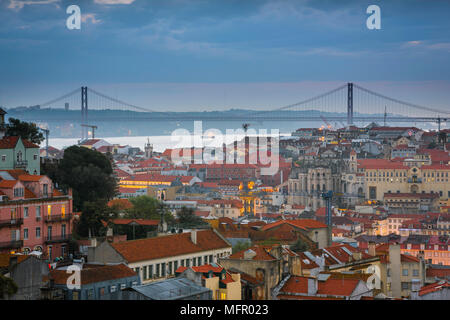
(194, 55)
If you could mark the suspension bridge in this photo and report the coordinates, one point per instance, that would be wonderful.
(349, 103)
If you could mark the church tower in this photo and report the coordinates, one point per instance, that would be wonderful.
(148, 149)
(353, 163)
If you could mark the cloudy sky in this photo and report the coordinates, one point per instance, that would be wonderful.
(221, 54)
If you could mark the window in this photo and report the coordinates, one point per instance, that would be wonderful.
(113, 289)
(35, 156)
(49, 233)
(38, 232)
(223, 296)
(102, 291)
(157, 269)
(170, 267)
(3, 158)
(199, 262)
(123, 286)
(90, 294)
(75, 295)
(405, 272)
(38, 212)
(25, 212)
(405, 285)
(145, 273)
(25, 234)
(415, 273)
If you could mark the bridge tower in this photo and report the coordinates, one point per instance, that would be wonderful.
(349, 104)
(84, 113)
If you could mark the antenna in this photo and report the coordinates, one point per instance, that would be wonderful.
(47, 132)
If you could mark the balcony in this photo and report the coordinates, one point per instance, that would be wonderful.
(57, 218)
(58, 239)
(16, 244)
(11, 222)
(20, 164)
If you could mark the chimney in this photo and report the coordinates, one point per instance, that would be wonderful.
(194, 236)
(357, 255)
(312, 286)
(415, 288)
(371, 249)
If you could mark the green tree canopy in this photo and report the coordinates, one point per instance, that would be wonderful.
(186, 217)
(241, 245)
(146, 207)
(88, 173)
(25, 130)
(90, 223)
(7, 286)
(299, 246)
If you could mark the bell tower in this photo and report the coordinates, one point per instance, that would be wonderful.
(148, 149)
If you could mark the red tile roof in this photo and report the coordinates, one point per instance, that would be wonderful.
(142, 222)
(170, 245)
(11, 142)
(438, 272)
(331, 287)
(434, 287)
(93, 274)
(120, 203)
(262, 253)
(304, 224)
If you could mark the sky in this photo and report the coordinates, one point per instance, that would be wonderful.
(181, 55)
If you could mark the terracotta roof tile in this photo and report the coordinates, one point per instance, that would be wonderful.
(167, 246)
(93, 274)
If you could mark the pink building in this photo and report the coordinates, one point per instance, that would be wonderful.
(33, 215)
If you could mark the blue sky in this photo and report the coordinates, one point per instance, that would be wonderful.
(218, 54)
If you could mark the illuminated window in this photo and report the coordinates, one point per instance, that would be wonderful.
(49, 210)
(63, 211)
(223, 296)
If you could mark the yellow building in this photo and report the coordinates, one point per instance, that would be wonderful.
(385, 176)
(224, 285)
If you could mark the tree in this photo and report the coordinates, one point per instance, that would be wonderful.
(25, 130)
(7, 286)
(146, 207)
(187, 217)
(92, 217)
(299, 246)
(88, 172)
(241, 245)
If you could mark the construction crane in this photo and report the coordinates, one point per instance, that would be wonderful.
(93, 128)
(329, 126)
(47, 132)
